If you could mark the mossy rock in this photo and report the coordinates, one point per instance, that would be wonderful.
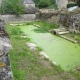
(2, 64)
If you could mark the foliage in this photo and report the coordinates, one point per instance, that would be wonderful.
(45, 26)
(53, 6)
(15, 31)
(29, 65)
(26, 63)
(36, 1)
(53, 1)
(0, 10)
(44, 3)
(71, 4)
(12, 7)
(78, 3)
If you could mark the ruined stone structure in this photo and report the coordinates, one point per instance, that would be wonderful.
(5, 47)
(48, 15)
(63, 3)
(71, 20)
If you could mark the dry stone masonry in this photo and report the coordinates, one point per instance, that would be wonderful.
(5, 47)
(71, 20)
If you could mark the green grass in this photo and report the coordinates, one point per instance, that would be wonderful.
(46, 25)
(28, 65)
(25, 63)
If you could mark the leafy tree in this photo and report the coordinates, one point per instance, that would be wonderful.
(78, 3)
(44, 3)
(36, 1)
(12, 7)
(53, 1)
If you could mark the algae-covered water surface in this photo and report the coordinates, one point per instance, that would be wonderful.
(63, 52)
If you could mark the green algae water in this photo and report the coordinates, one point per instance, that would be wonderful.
(63, 52)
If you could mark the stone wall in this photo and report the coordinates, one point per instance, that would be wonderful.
(21, 18)
(31, 10)
(46, 13)
(5, 47)
(49, 15)
(71, 21)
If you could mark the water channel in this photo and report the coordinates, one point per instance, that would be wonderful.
(63, 52)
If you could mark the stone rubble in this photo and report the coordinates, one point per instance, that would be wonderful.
(71, 20)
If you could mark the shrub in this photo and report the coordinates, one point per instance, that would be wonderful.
(78, 3)
(43, 3)
(54, 6)
(71, 4)
(12, 7)
(15, 31)
(0, 10)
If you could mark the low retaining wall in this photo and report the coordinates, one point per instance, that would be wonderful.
(20, 18)
(46, 13)
(71, 20)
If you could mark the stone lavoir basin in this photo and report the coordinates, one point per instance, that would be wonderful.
(63, 52)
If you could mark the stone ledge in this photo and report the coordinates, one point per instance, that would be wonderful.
(74, 41)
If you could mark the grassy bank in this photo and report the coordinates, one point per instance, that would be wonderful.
(29, 65)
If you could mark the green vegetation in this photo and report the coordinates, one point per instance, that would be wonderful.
(15, 31)
(44, 26)
(12, 7)
(46, 4)
(26, 64)
(71, 4)
(58, 49)
(74, 36)
(29, 65)
(78, 3)
(36, 1)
